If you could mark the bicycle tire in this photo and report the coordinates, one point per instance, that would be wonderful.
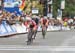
(44, 33)
(30, 34)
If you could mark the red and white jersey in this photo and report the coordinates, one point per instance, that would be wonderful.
(43, 20)
(32, 22)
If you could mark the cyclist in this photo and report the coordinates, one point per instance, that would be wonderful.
(36, 19)
(31, 26)
(44, 23)
(30, 23)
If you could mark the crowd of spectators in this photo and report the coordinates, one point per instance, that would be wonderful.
(13, 18)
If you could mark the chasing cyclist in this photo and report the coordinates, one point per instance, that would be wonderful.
(44, 24)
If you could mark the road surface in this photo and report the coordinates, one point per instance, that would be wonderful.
(62, 41)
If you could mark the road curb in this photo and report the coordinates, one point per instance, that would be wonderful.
(10, 35)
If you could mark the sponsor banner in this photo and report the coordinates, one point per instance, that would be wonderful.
(8, 3)
(8, 28)
(20, 28)
(17, 28)
(14, 5)
(2, 29)
(63, 4)
(13, 10)
(35, 11)
(13, 28)
(65, 28)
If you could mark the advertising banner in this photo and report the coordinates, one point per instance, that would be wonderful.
(8, 3)
(2, 29)
(8, 28)
(14, 5)
(63, 4)
(35, 11)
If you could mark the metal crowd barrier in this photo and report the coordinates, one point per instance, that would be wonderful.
(6, 29)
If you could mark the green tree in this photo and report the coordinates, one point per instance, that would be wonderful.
(69, 7)
(34, 3)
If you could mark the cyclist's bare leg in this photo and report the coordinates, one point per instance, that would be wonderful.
(35, 32)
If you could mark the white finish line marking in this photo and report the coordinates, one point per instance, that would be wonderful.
(37, 48)
(41, 49)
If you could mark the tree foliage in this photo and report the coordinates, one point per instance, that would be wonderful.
(35, 4)
(69, 7)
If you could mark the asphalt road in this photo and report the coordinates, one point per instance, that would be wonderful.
(62, 41)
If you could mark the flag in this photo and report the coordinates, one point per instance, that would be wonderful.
(22, 6)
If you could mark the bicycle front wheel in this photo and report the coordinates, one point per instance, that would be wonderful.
(44, 32)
